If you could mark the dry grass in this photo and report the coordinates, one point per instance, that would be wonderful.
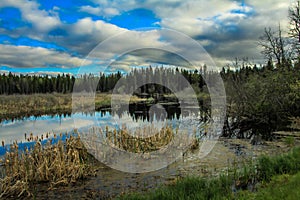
(144, 139)
(56, 164)
(152, 140)
(14, 106)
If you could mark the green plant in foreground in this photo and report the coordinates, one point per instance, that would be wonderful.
(290, 141)
(234, 184)
(280, 187)
(189, 188)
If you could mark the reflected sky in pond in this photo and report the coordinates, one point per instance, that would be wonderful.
(11, 130)
(15, 130)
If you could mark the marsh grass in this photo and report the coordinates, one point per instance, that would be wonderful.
(148, 138)
(189, 188)
(130, 141)
(14, 106)
(238, 182)
(18, 106)
(288, 163)
(280, 187)
(62, 163)
(289, 141)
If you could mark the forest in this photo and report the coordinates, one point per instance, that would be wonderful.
(63, 83)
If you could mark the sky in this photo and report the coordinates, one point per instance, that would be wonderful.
(79, 36)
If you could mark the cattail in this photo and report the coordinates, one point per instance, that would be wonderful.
(115, 136)
(26, 150)
(25, 136)
(2, 143)
(16, 145)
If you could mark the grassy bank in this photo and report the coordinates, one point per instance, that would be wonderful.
(280, 187)
(17, 106)
(269, 177)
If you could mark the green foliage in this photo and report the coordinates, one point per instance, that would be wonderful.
(262, 100)
(190, 188)
(290, 140)
(280, 187)
(282, 164)
(233, 185)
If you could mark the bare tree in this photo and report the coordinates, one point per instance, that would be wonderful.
(274, 46)
(294, 32)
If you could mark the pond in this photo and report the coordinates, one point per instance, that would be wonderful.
(20, 129)
(110, 182)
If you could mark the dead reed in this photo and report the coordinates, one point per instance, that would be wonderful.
(141, 140)
(57, 164)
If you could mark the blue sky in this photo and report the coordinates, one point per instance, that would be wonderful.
(57, 36)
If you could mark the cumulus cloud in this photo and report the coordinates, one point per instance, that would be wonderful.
(40, 19)
(25, 56)
(91, 10)
(98, 11)
(111, 12)
(226, 29)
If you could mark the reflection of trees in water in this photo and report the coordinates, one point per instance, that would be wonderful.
(150, 112)
(35, 116)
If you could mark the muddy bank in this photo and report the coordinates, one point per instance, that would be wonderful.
(109, 182)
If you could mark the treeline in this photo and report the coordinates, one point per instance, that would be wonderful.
(29, 84)
(150, 81)
(26, 84)
(62, 83)
(153, 80)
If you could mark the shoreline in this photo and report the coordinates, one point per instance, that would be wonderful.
(110, 183)
(21, 106)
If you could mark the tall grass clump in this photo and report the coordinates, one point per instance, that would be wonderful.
(131, 141)
(189, 188)
(288, 163)
(290, 141)
(56, 164)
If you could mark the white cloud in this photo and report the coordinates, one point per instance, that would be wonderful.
(205, 21)
(25, 56)
(98, 29)
(40, 19)
(99, 11)
(91, 10)
(111, 11)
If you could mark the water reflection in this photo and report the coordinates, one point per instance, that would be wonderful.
(14, 129)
